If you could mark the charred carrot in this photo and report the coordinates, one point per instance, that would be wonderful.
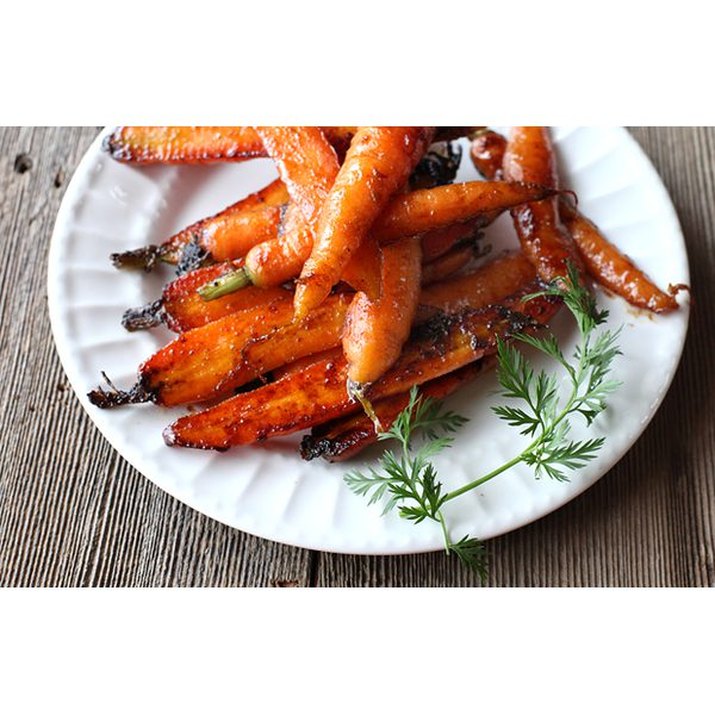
(602, 260)
(376, 167)
(181, 308)
(342, 439)
(226, 235)
(417, 212)
(376, 330)
(190, 145)
(213, 361)
(317, 394)
(196, 145)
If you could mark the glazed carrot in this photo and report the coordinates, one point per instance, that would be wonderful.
(448, 264)
(363, 270)
(602, 260)
(529, 157)
(214, 360)
(191, 145)
(376, 167)
(342, 439)
(438, 242)
(302, 363)
(610, 267)
(482, 286)
(181, 308)
(196, 145)
(271, 263)
(317, 393)
(417, 212)
(376, 330)
(430, 209)
(306, 162)
(487, 151)
(225, 235)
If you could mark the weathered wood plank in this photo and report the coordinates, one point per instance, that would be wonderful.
(73, 513)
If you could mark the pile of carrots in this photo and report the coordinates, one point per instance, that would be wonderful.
(320, 300)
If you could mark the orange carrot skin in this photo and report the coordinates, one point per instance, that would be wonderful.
(212, 361)
(448, 264)
(376, 330)
(529, 157)
(183, 145)
(602, 260)
(300, 364)
(306, 162)
(184, 308)
(197, 145)
(435, 210)
(487, 153)
(611, 268)
(363, 270)
(271, 263)
(317, 394)
(213, 230)
(431, 209)
(202, 363)
(438, 242)
(490, 283)
(377, 166)
(342, 439)
(232, 236)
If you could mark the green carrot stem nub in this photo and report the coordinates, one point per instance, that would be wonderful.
(225, 284)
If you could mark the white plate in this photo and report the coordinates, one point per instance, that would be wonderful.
(268, 490)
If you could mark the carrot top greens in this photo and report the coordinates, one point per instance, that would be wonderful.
(408, 480)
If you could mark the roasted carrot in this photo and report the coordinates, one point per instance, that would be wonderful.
(612, 269)
(376, 167)
(306, 162)
(364, 268)
(181, 308)
(271, 263)
(417, 212)
(226, 235)
(214, 360)
(342, 439)
(529, 157)
(430, 209)
(317, 393)
(602, 260)
(196, 145)
(376, 330)
(438, 242)
(450, 263)
(302, 363)
(490, 283)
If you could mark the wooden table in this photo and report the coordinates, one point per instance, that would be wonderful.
(74, 513)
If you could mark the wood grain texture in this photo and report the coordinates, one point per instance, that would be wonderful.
(74, 513)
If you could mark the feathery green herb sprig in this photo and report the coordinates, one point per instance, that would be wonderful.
(408, 480)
